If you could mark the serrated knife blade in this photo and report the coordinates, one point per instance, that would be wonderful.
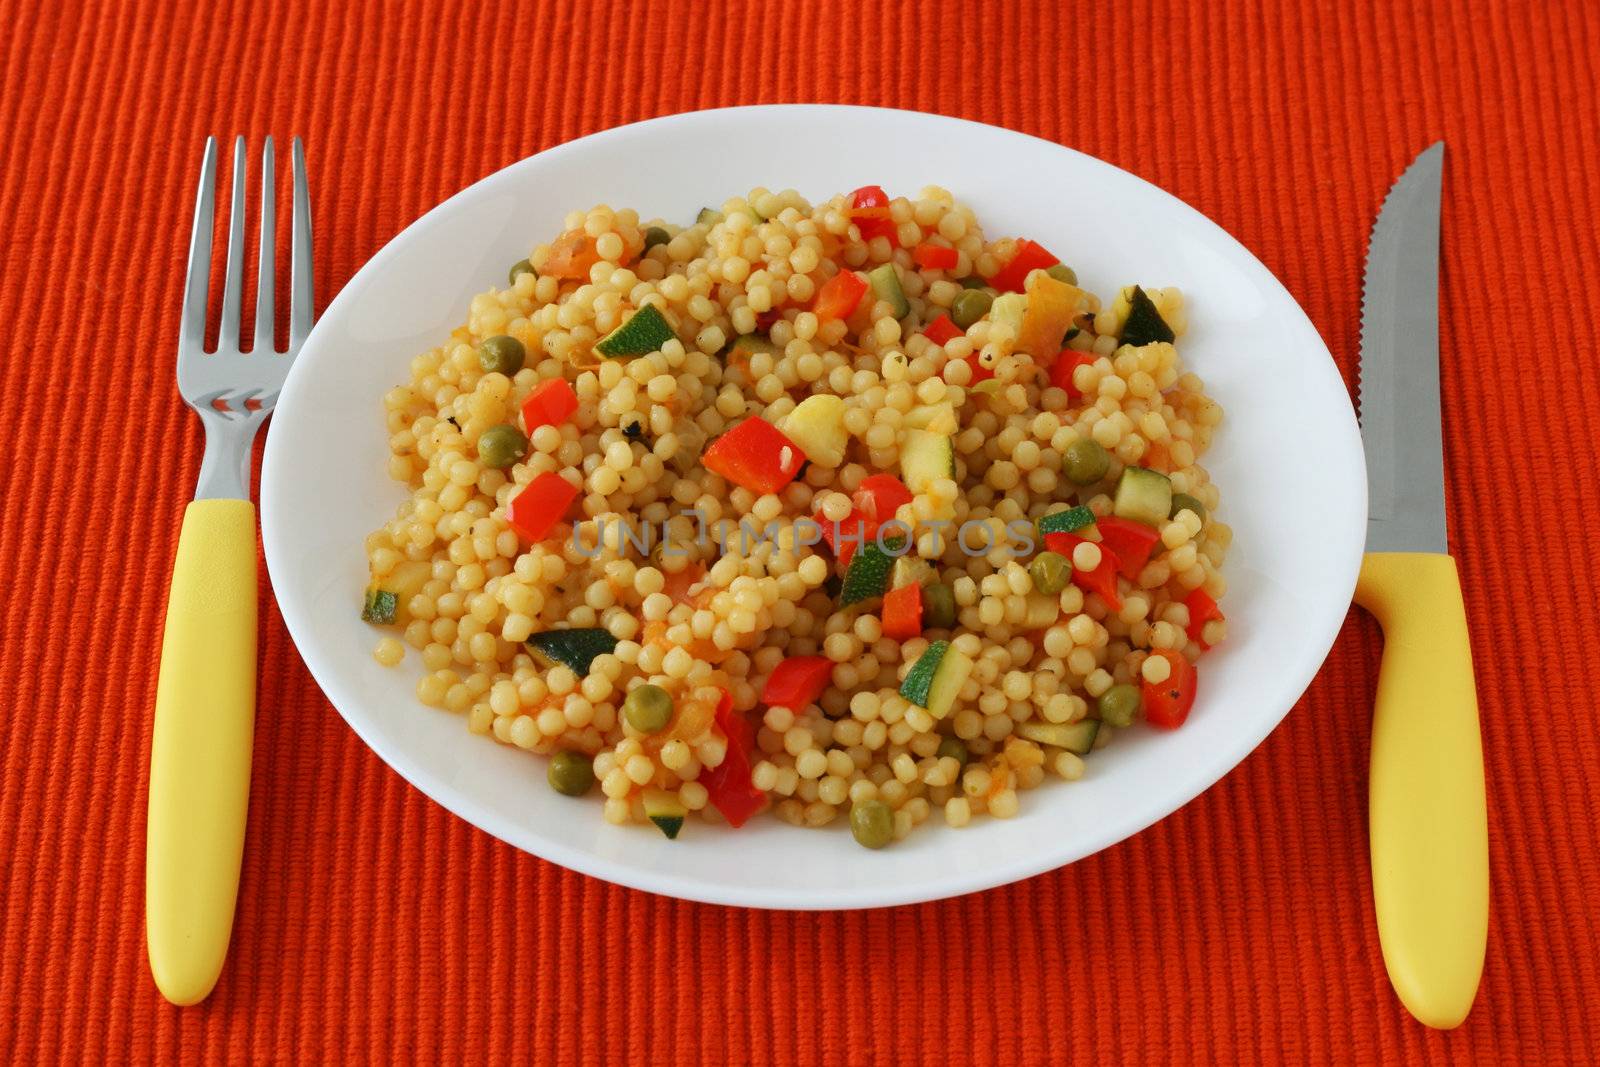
(1399, 369)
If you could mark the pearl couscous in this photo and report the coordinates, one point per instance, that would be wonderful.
(830, 510)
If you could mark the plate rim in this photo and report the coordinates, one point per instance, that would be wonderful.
(959, 881)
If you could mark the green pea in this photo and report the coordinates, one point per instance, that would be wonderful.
(972, 281)
(969, 306)
(1085, 461)
(1050, 572)
(953, 747)
(872, 823)
(938, 607)
(1063, 273)
(521, 266)
(571, 773)
(648, 708)
(501, 355)
(655, 235)
(501, 446)
(1119, 704)
(1185, 502)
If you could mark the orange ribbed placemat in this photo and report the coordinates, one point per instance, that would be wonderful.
(373, 925)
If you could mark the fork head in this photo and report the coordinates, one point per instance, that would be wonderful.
(233, 389)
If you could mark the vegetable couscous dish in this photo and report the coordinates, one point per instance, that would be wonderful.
(841, 512)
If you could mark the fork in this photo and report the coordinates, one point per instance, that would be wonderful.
(206, 691)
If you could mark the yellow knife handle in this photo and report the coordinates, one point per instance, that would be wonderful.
(1429, 825)
(200, 751)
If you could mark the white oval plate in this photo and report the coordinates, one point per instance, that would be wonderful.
(1288, 461)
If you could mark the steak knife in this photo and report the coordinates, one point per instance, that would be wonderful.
(1426, 809)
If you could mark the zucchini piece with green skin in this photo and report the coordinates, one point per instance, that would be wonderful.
(1144, 324)
(1066, 521)
(1077, 737)
(925, 457)
(867, 576)
(708, 216)
(955, 667)
(886, 286)
(748, 344)
(643, 332)
(379, 607)
(911, 570)
(1143, 495)
(666, 811)
(573, 648)
(919, 680)
(817, 426)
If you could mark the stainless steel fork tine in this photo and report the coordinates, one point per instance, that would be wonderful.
(192, 325)
(233, 285)
(300, 309)
(266, 311)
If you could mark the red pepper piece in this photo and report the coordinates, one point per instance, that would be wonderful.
(756, 455)
(1062, 369)
(1030, 256)
(980, 373)
(935, 257)
(902, 612)
(869, 198)
(551, 403)
(847, 535)
(941, 330)
(540, 505)
(1131, 541)
(728, 783)
(1101, 580)
(1202, 609)
(878, 497)
(1167, 704)
(768, 319)
(839, 296)
(869, 208)
(797, 682)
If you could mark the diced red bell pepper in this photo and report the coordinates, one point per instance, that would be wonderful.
(869, 208)
(1167, 704)
(980, 373)
(756, 455)
(1030, 256)
(1131, 541)
(540, 505)
(935, 257)
(1062, 369)
(839, 296)
(1202, 609)
(728, 783)
(941, 330)
(878, 497)
(768, 319)
(797, 682)
(1101, 580)
(902, 612)
(841, 537)
(551, 403)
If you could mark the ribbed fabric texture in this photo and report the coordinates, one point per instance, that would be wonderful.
(374, 926)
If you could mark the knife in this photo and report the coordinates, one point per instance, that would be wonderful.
(1426, 810)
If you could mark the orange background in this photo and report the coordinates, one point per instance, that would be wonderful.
(373, 925)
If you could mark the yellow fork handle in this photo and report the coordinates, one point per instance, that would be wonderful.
(1429, 826)
(200, 752)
